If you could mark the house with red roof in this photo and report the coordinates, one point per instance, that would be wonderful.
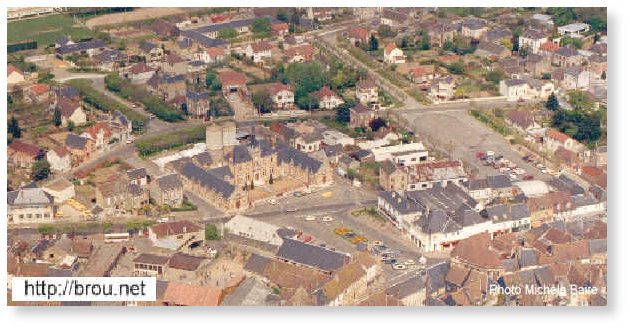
(554, 139)
(233, 82)
(258, 51)
(393, 55)
(212, 55)
(14, 75)
(299, 54)
(23, 155)
(327, 98)
(422, 74)
(280, 29)
(37, 93)
(101, 134)
(358, 35)
(281, 94)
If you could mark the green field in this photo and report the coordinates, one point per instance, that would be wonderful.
(45, 30)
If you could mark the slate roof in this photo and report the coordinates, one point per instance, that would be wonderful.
(207, 180)
(76, 142)
(197, 96)
(200, 39)
(151, 259)
(169, 182)
(287, 154)
(29, 196)
(185, 262)
(80, 46)
(229, 25)
(311, 255)
(19, 146)
(136, 173)
(533, 34)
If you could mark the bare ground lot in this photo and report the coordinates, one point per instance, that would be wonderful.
(136, 15)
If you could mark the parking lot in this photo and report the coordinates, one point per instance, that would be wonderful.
(461, 135)
(340, 200)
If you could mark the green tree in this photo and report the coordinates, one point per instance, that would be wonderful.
(251, 185)
(14, 128)
(343, 114)
(261, 27)
(456, 68)
(373, 42)
(494, 76)
(270, 178)
(212, 232)
(282, 15)
(552, 103)
(227, 34)
(262, 100)
(603, 75)
(57, 117)
(70, 125)
(40, 170)
(46, 229)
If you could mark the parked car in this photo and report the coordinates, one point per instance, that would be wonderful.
(327, 219)
(291, 209)
(399, 267)
(309, 218)
(390, 261)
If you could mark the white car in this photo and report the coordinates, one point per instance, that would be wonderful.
(309, 218)
(272, 201)
(410, 262)
(327, 219)
(163, 220)
(377, 243)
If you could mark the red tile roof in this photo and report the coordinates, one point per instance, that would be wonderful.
(359, 33)
(214, 51)
(324, 92)
(389, 48)
(11, 69)
(280, 27)
(21, 147)
(556, 135)
(189, 295)
(174, 228)
(39, 88)
(93, 130)
(232, 78)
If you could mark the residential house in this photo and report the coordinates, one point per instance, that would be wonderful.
(522, 120)
(392, 54)
(567, 56)
(171, 190)
(423, 75)
(165, 29)
(29, 205)
(554, 139)
(150, 265)
(299, 54)
(485, 190)
(312, 256)
(328, 99)
(71, 110)
(37, 93)
(23, 155)
(250, 228)
(281, 94)
(14, 75)
(367, 92)
(442, 89)
(279, 29)
(59, 159)
(177, 234)
(60, 189)
(153, 52)
(91, 48)
(258, 51)
(537, 65)
(197, 103)
(140, 73)
(514, 89)
(350, 284)
(531, 40)
(100, 134)
(473, 27)
(196, 72)
(361, 116)
(137, 176)
(80, 148)
(110, 60)
(212, 55)
(174, 64)
(358, 36)
(167, 86)
(598, 64)
(576, 77)
(233, 82)
(184, 294)
(492, 51)
(499, 36)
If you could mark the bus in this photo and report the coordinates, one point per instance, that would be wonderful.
(116, 237)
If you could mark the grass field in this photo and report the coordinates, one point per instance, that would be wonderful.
(45, 30)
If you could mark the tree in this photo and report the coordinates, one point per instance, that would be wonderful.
(385, 31)
(46, 229)
(456, 68)
(494, 76)
(57, 117)
(282, 15)
(251, 185)
(228, 33)
(70, 125)
(261, 27)
(212, 232)
(552, 103)
(270, 178)
(262, 101)
(14, 128)
(603, 75)
(212, 80)
(373, 42)
(377, 123)
(184, 108)
(343, 114)
(40, 170)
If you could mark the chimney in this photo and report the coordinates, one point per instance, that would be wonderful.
(184, 229)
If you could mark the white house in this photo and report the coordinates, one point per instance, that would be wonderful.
(61, 190)
(574, 30)
(575, 77)
(59, 159)
(258, 51)
(30, 205)
(393, 54)
(405, 154)
(532, 40)
(14, 75)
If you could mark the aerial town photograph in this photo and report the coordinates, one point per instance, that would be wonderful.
(307, 156)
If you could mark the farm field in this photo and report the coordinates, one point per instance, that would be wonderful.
(45, 30)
